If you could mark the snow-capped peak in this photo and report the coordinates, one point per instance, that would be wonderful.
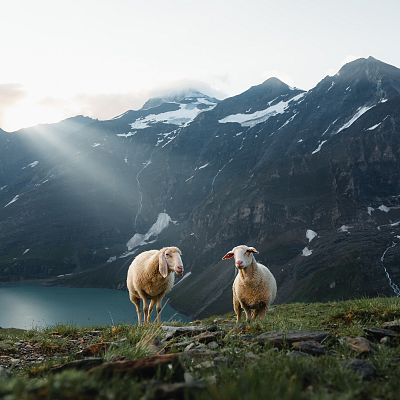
(186, 110)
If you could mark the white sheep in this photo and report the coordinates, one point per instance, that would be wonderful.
(151, 277)
(254, 288)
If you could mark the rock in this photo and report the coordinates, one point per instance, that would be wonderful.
(359, 344)
(189, 346)
(310, 347)
(145, 368)
(393, 325)
(213, 345)
(207, 337)
(85, 364)
(278, 339)
(362, 367)
(174, 331)
(378, 333)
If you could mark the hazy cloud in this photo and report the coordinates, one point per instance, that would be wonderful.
(109, 105)
(10, 94)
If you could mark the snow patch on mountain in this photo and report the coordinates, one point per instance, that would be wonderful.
(141, 239)
(126, 135)
(306, 252)
(186, 113)
(371, 128)
(360, 111)
(203, 166)
(12, 201)
(370, 210)
(250, 120)
(319, 147)
(310, 235)
(344, 228)
(32, 165)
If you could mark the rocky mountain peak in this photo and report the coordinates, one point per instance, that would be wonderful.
(181, 96)
(368, 68)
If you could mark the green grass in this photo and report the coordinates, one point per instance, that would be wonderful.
(240, 368)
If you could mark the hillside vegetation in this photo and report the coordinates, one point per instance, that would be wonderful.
(336, 350)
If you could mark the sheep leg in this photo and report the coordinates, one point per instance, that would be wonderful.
(260, 313)
(237, 308)
(152, 304)
(136, 302)
(247, 312)
(145, 309)
(159, 300)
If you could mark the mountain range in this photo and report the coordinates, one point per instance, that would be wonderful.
(309, 178)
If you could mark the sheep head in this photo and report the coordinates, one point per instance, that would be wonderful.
(169, 260)
(243, 256)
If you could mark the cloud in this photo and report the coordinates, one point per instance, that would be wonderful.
(20, 109)
(10, 94)
(186, 84)
(109, 105)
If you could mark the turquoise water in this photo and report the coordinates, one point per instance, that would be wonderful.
(32, 306)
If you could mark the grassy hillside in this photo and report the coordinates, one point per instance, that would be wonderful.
(338, 350)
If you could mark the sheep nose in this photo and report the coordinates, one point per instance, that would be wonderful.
(179, 269)
(239, 263)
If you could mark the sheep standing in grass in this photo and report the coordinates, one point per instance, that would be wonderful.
(151, 277)
(254, 288)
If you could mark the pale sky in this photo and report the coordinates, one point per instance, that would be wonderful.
(61, 58)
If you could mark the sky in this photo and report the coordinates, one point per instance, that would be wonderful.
(102, 57)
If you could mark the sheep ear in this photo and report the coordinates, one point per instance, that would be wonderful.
(252, 250)
(228, 255)
(162, 264)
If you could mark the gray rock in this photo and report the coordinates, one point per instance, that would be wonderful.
(278, 339)
(378, 333)
(174, 331)
(362, 367)
(189, 346)
(213, 345)
(393, 325)
(310, 347)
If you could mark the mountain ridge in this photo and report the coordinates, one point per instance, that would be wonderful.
(262, 168)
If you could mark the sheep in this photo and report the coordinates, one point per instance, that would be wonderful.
(151, 277)
(254, 288)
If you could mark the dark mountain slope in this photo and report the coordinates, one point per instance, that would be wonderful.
(309, 178)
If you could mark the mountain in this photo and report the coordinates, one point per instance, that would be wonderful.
(311, 179)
